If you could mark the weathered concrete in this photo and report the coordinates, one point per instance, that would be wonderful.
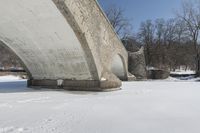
(64, 40)
(137, 65)
(158, 74)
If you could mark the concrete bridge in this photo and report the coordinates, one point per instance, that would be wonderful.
(66, 44)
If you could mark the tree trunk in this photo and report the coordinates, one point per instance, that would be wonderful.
(197, 59)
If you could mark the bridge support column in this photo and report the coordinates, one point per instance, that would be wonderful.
(76, 85)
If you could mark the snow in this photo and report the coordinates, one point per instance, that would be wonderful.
(183, 72)
(140, 107)
(180, 79)
(9, 78)
(180, 74)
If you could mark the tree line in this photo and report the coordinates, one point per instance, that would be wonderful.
(168, 43)
(8, 58)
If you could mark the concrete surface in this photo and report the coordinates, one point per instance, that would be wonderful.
(137, 64)
(62, 42)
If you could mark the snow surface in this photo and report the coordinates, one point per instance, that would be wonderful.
(183, 72)
(140, 107)
(9, 78)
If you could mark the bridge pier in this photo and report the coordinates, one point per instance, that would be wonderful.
(75, 85)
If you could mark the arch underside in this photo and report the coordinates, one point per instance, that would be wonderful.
(34, 30)
(48, 45)
(118, 67)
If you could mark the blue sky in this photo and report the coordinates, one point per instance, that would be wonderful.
(141, 10)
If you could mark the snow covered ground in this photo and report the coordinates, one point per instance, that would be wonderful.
(183, 72)
(140, 107)
(9, 78)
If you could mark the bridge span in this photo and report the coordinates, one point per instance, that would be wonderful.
(66, 44)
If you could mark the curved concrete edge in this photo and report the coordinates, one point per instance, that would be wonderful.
(2, 43)
(80, 34)
(97, 40)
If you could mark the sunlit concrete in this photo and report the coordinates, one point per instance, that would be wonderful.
(63, 43)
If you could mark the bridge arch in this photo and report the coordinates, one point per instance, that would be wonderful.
(7, 48)
(59, 42)
(118, 67)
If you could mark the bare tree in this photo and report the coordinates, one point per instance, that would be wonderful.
(181, 32)
(118, 20)
(146, 35)
(160, 29)
(190, 14)
(170, 41)
(159, 40)
(8, 58)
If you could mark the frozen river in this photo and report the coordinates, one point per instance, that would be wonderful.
(140, 107)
